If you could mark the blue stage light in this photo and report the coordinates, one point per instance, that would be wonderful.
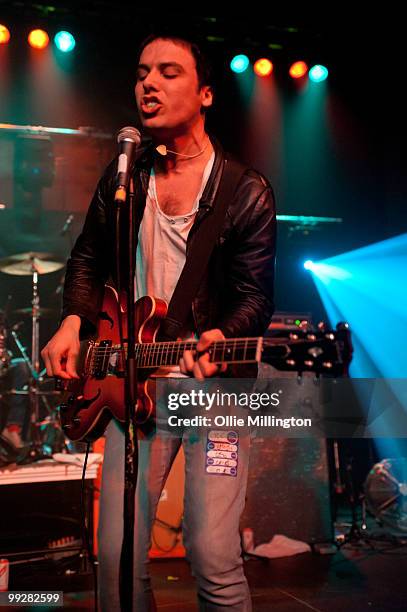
(318, 73)
(64, 41)
(364, 288)
(239, 63)
(309, 264)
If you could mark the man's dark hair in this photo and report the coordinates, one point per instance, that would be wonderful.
(203, 66)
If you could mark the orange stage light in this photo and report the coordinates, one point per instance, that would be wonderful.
(4, 34)
(38, 39)
(298, 69)
(263, 67)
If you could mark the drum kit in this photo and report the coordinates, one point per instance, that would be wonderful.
(23, 385)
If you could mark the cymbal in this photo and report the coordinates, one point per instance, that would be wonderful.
(41, 312)
(24, 264)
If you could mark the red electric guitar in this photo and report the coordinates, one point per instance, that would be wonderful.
(91, 402)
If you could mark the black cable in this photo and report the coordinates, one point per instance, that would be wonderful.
(85, 530)
(370, 552)
(161, 548)
(175, 530)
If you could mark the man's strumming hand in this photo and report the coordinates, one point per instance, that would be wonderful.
(62, 350)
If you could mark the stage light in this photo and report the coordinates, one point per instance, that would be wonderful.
(239, 63)
(364, 288)
(373, 300)
(298, 69)
(318, 73)
(64, 41)
(38, 39)
(309, 264)
(263, 67)
(4, 34)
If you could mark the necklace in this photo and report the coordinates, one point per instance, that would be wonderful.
(162, 150)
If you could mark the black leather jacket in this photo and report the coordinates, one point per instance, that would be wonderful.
(236, 294)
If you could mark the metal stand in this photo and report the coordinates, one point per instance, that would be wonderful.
(356, 533)
(131, 446)
(35, 361)
(33, 389)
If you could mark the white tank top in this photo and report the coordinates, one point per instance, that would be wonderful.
(161, 248)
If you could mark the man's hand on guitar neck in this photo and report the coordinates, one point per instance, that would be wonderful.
(62, 350)
(202, 367)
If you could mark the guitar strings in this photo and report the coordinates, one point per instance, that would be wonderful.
(160, 347)
(159, 353)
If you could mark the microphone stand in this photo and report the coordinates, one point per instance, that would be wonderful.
(131, 447)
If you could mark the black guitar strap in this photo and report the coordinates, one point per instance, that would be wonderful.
(200, 251)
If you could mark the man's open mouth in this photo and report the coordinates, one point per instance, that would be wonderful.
(148, 107)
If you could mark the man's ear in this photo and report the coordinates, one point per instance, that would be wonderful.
(206, 96)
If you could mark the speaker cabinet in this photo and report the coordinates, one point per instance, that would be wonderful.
(289, 489)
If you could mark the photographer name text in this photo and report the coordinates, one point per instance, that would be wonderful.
(263, 420)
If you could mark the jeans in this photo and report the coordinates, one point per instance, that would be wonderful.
(212, 507)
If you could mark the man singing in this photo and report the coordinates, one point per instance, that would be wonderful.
(179, 183)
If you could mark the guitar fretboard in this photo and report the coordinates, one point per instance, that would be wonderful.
(322, 353)
(157, 354)
(236, 350)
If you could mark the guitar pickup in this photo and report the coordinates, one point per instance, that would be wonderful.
(63, 385)
(117, 365)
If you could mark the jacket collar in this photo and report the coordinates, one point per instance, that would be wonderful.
(208, 196)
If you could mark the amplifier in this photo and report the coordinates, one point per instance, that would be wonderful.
(289, 489)
(290, 320)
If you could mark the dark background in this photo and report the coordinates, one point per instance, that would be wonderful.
(345, 158)
(342, 160)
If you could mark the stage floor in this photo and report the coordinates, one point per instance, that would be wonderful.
(357, 578)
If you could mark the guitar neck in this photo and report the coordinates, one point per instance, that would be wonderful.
(235, 350)
(322, 352)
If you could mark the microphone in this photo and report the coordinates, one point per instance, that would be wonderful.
(66, 225)
(129, 139)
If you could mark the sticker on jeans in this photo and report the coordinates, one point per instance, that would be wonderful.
(228, 462)
(221, 447)
(228, 437)
(221, 470)
(222, 453)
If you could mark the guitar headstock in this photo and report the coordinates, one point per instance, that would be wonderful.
(322, 351)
